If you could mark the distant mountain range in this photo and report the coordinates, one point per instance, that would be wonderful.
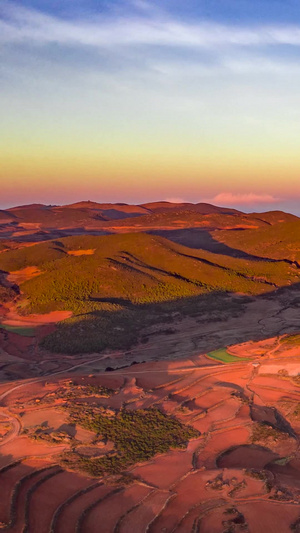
(36, 222)
(106, 211)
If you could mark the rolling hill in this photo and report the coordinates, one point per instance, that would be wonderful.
(116, 285)
(37, 222)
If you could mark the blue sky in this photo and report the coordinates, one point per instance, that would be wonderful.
(138, 100)
(235, 11)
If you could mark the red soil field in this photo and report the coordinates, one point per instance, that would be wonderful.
(19, 276)
(178, 490)
(71, 513)
(27, 485)
(12, 318)
(167, 469)
(8, 480)
(81, 252)
(270, 516)
(139, 518)
(49, 495)
(113, 508)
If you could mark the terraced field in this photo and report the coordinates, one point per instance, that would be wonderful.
(240, 460)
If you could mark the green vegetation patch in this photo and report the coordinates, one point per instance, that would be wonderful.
(282, 461)
(98, 331)
(122, 328)
(225, 357)
(74, 391)
(42, 433)
(137, 435)
(133, 269)
(275, 240)
(25, 332)
(262, 432)
(296, 412)
(291, 340)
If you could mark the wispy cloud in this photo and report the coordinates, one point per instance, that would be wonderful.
(21, 24)
(229, 198)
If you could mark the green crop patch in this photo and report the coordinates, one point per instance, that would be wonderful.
(225, 357)
(24, 332)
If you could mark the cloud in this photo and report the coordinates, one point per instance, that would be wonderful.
(21, 24)
(229, 198)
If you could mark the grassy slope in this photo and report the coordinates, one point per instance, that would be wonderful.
(277, 241)
(24, 332)
(116, 287)
(188, 219)
(138, 268)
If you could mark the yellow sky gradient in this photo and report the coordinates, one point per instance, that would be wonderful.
(176, 171)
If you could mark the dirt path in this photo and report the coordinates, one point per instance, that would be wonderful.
(14, 431)
(14, 421)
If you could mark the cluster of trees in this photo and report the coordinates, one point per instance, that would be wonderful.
(6, 293)
(78, 391)
(262, 432)
(137, 435)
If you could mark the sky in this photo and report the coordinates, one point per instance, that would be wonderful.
(135, 101)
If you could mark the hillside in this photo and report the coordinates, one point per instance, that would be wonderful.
(199, 226)
(54, 217)
(123, 259)
(277, 241)
(111, 284)
(112, 211)
(6, 217)
(201, 208)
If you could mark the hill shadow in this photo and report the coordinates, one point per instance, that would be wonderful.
(114, 214)
(201, 239)
(110, 300)
(48, 234)
(219, 319)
